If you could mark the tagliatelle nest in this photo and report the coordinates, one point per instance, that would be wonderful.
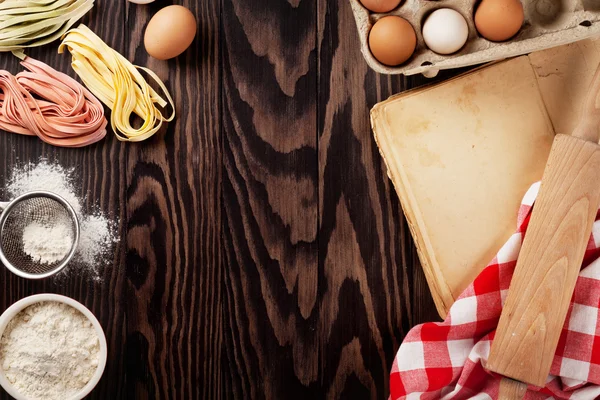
(51, 105)
(118, 84)
(31, 23)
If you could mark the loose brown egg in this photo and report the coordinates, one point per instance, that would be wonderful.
(380, 6)
(392, 40)
(499, 20)
(170, 32)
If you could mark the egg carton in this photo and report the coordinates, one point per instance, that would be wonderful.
(548, 23)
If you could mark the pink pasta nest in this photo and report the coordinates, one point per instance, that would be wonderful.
(50, 105)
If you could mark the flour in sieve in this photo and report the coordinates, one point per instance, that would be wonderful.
(98, 233)
(47, 244)
(49, 351)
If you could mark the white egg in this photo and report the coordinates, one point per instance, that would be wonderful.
(445, 31)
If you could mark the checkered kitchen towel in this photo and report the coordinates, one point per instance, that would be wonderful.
(446, 360)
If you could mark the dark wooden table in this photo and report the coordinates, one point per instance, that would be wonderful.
(263, 252)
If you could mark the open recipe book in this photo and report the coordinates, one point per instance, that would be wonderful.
(462, 154)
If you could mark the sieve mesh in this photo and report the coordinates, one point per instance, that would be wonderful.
(41, 210)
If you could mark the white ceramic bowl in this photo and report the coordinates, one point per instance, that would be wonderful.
(20, 305)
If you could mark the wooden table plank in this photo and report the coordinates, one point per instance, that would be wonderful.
(370, 272)
(160, 304)
(174, 262)
(270, 199)
(370, 288)
(100, 180)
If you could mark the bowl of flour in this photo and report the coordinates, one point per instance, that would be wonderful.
(51, 347)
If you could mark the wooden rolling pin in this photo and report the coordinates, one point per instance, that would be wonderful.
(551, 256)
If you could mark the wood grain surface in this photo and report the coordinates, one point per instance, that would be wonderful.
(263, 252)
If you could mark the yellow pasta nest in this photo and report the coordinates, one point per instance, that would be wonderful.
(118, 84)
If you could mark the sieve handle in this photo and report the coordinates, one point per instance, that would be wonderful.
(3, 205)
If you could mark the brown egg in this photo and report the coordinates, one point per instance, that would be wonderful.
(380, 6)
(170, 32)
(392, 40)
(499, 20)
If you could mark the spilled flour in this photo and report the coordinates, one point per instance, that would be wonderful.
(98, 233)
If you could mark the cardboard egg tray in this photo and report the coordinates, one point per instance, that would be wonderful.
(548, 23)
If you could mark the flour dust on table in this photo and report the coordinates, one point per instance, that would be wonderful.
(98, 233)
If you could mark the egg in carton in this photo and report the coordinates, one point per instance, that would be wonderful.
(547, 23)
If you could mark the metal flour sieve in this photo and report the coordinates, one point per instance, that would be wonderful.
(39, 207)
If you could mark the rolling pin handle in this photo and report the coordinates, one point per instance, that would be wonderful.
(511, 389)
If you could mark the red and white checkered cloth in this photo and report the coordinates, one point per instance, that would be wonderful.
(446, 360)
